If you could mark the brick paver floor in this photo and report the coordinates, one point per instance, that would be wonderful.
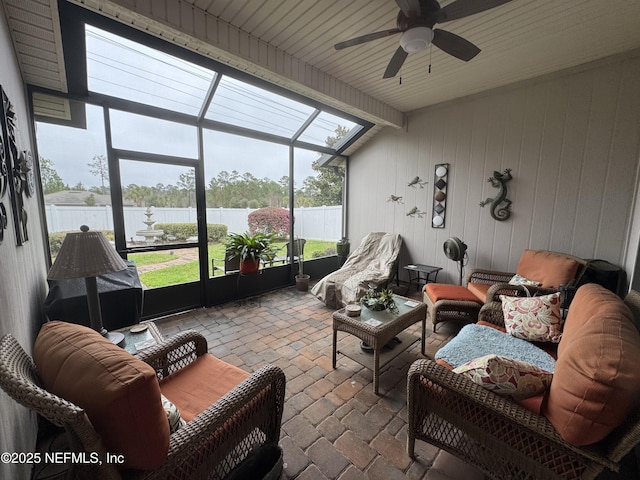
(333, 426)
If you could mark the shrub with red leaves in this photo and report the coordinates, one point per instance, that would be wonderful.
(270, 220)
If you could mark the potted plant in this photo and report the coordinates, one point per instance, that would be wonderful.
(382, 300)
(250, 248)
(342, 247)
(302, 279)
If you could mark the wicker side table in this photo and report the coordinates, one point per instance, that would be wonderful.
(377, 328)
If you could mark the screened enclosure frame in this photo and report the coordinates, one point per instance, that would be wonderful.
(73, 19)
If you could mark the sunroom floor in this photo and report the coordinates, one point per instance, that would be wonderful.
(334, 426)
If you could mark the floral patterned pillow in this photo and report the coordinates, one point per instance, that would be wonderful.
(536, 319)
(520, 280)
(506, 376)
(173, 415)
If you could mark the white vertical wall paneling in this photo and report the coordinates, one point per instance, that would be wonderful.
(478, 180)
(572, 142)
(619, 178)
(611, 218)
(512, 153)
(629, 88)
(600, 130)
(550, 163)
(465, 219)
(573, 152)
(408, 148)
(527, 206)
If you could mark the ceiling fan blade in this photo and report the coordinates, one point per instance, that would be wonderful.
(395, 63)
(464, 8)
(454, 45)
(366, 38)
(408, 6)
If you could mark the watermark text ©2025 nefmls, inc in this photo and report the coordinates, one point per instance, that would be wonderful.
(60, 458)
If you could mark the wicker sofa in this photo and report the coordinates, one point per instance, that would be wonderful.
(587, 421)
(209, 445)
(550, 269)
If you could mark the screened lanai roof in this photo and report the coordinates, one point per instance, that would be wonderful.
(121, 68)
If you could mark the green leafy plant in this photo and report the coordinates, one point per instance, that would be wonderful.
(250, 247)
(379, 300)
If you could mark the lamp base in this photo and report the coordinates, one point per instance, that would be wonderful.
(115, 337)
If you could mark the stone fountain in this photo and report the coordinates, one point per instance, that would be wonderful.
(150, 234)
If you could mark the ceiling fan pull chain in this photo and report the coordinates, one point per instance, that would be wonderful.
(430, 52)
(400, 81)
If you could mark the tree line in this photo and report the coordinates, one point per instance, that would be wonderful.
(227, 189)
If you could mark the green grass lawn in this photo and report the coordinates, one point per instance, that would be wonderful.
(189, 272)
(150, 258)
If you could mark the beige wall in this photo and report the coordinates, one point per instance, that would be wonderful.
(22, 274)
(572, 142)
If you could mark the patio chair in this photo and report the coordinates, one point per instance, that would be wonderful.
(372, 265)
(209, 445)
(298, 252)
(231, 264)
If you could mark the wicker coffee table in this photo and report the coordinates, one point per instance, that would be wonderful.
(377, 328)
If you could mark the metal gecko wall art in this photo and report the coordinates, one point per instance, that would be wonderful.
(499, 181)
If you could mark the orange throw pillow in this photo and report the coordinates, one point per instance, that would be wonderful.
(119, 392)
(596, 382)
(548, 268)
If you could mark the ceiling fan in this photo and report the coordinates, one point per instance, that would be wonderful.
(416, 20)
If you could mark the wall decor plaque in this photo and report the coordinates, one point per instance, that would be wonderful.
(440, 185)
(13, 178)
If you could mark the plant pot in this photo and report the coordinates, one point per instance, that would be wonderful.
(342, 249)
(249, 265)
(302, 282)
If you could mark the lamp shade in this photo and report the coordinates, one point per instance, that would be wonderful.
(85, 254)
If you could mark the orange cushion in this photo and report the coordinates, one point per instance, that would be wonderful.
(479, 290)
(443, 291)
(548, 268)
(200, 384)
(596, 381)
(119, 392)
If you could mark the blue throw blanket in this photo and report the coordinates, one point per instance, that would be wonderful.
(475, 341)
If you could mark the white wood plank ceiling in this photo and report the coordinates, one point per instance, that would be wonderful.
(520, 40)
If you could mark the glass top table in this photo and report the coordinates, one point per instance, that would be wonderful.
(139, 336)
(376, 329)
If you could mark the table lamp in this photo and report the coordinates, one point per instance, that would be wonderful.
(87, 255)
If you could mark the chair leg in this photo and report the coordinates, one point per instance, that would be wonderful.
(411, 446)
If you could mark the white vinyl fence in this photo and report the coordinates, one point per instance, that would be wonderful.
(317, 223)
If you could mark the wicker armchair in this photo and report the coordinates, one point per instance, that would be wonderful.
(499, 281)
(209, 446)
(497, 435)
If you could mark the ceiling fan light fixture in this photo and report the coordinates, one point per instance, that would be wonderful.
(416, 39)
